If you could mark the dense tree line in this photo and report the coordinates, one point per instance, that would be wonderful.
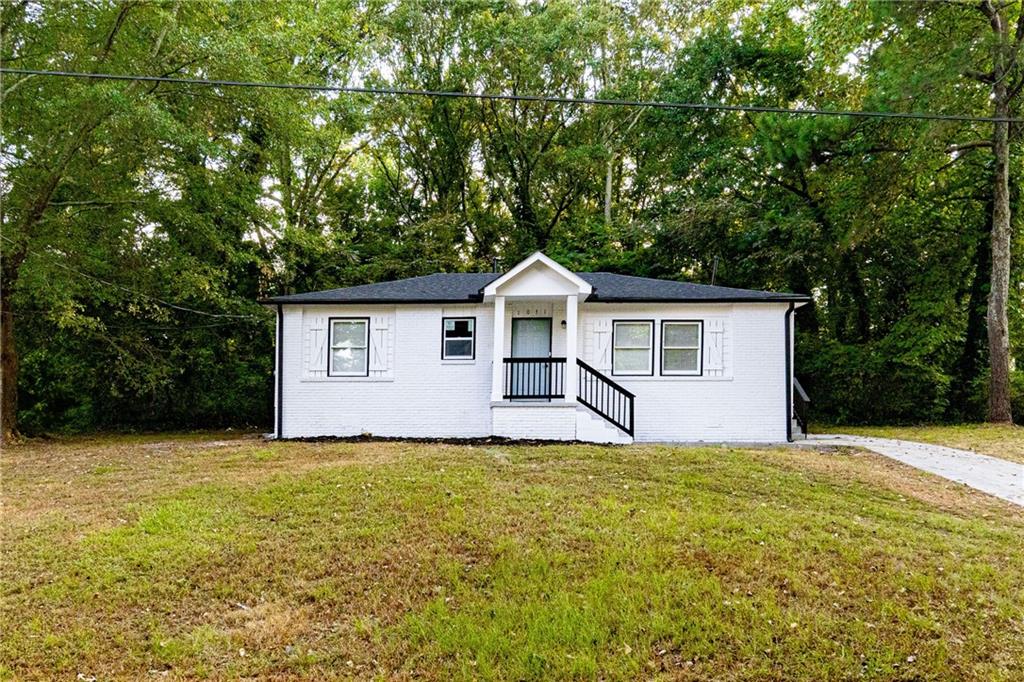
(142, 221)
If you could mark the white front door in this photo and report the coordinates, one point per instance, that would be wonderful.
(531, 339)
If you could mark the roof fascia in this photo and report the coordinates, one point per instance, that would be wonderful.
(798, 301)
(377, 301)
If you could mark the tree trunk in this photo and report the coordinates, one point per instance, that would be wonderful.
(608, 191)
(999, 290)
(525, 216)
(974, 358)
(853, 312)
(8, 353)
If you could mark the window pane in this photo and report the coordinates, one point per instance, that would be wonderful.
(680, 361)
(349, 333)
(348, 361)
(632, 360)
(632, 334)
(681, 335)
(458, 348)
(458, 329)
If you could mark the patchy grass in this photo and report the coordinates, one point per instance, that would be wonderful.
(230, 557)
(999, 440)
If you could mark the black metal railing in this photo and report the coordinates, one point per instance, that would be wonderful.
(801, 405)
(534, 378)
(604, 396)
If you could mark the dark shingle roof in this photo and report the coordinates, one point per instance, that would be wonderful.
(449, 287)
(467, 287)
(609, 287)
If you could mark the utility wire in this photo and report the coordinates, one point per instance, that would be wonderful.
(33, 312)
(487, 96)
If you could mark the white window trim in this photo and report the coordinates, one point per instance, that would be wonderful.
(331, 346)
(472, 339)
(650, 356)
(699, 348)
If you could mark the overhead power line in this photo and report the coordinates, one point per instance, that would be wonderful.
(550, 99)
(36, 312)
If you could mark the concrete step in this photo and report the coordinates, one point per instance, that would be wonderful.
(593, 428)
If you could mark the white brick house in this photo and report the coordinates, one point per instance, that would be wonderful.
(537, 352)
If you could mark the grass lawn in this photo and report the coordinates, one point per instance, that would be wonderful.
(998, 440)
(223, 556)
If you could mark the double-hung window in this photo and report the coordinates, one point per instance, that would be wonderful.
(633, 347)
(349, 347)
(680, 347)
(458, 338)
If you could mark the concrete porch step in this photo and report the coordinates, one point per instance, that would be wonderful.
(593, 428)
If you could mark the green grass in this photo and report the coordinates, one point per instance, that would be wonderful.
(436, 561)
(998, 440)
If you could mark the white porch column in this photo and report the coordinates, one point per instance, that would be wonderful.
(498, 354)
(571, 322)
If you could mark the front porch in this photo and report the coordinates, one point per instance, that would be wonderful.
(539, 387)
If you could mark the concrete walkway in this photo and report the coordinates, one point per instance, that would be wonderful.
(991, 475)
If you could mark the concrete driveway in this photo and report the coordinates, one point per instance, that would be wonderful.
(991, 475)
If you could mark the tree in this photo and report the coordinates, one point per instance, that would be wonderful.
(49, 153)
(978, 45)
(101, 174)
(142, 221)
(1006, 78)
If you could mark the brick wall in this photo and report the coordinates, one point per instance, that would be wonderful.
(416, 394)
(744, 401)
(545, 421)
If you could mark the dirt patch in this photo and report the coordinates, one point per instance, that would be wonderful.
(85, 483)
(269, 625)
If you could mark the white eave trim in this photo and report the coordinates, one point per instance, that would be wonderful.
(537, 257)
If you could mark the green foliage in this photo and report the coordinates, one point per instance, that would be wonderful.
(142, 222)
(1017, 392)
(871, 384)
